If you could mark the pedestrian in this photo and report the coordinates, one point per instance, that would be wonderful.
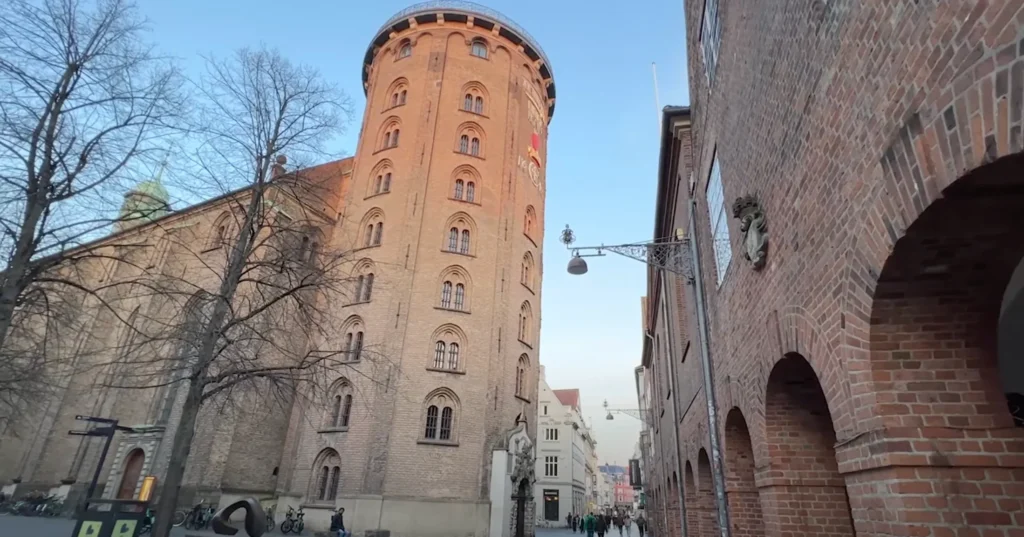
(629, 524)
(589, 523)
(568, 522)
(641, 524)
(618, 523)
(577, 521)
(338, 524)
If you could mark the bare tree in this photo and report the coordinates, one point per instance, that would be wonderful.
(82, 103)
(248, 312)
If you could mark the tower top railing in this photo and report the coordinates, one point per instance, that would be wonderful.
(468, 8)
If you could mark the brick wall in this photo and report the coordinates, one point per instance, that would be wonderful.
(882, 142)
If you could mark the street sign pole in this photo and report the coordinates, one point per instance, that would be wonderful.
(107, 431)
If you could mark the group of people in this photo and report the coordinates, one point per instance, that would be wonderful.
(602, 523)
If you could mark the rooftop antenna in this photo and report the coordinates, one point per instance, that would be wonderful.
(657, 101)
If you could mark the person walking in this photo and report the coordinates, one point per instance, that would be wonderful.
(629, 524)
(602, 526)
(589, 523)
(641, 524)
(568, 522)
(618, 523)
(338, 523)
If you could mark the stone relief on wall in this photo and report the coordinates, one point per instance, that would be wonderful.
(755, 230)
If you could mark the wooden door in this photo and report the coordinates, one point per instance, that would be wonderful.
(131, 474)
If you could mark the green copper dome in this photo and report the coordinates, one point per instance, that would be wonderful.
(144, 203)
(153, 189)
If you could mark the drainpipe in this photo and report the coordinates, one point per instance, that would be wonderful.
(661, 499)
(717, 469)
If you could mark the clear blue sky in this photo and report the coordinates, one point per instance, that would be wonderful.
(602, 150)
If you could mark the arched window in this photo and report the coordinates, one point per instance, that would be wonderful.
(478, 105)
(460, 296)
(446, 295)
(405, 49)
(464, 144)
(368, 288)
(394, 138)
(470, 191)
(522, 383)
(386, 187)
(394, 100)
(464, 245)
(378, 184)
(401, 97)
(441, 416)
(528, 219)
(459, 185)
(357, 351)
(453, 356)
(378, 233)
(527, 273)
(335, 411)
(467, 103)
(439, 348)
(321, 493)
(368, 240)
(431, 431)
(354, 340)
(326, 476)
(358, 295)
(453, 239)
(479, 49)
(474, 147)
(525, 320)
(346, 411)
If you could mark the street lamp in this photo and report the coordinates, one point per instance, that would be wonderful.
(632, 412)
(670, 254)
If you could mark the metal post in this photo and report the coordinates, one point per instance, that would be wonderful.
(675, 402)
(99, 465)
(717, 469)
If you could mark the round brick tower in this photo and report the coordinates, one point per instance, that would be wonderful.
(446, 209)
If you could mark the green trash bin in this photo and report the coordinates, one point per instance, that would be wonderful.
(110, 518)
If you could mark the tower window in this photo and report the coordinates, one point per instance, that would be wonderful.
(464, 144)
(479, 49)
(478, 105)
(405, 49)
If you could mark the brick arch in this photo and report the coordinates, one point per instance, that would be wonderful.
(690, 501)
(707, 513)
(740, 487)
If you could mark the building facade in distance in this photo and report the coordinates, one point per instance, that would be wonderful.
(848, 171)
(566, 451)
(443, 206)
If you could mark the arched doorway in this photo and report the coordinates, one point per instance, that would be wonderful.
(708, 516)
(947, 360)
(130, 476)
(803, 494)
(690, 497)
(741, 491)
(673, 501)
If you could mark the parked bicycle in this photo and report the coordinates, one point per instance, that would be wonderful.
(293, 522)
(199, 517)
(270, 518)
(147, 522)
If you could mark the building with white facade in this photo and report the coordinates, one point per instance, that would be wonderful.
(566, 456)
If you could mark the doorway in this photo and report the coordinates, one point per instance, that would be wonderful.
(551, 505)
(130, 477)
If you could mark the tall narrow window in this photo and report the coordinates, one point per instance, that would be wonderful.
(453, 240)
(431, 431)
(439, 354)
(357, 352)
(446, 424)
(332, 489)
(394, 100)
(470, 191)
(453, 356)
(464, 247)
(401, 97)
(478, 105)
(336, 411)
(394, 138)
(446, 295)
(348, 345)
(479, 49)
(346, 411)
(459, 186)
(377, 233)
(460, 296)
(368, 241)
(474, 147)
(467, 103)
(386, 187)
(464, 144)
(405, 50)
(710, 37)
(322, 483)
(368, 288)
(359, 289)
(721, 245)
(377, 185)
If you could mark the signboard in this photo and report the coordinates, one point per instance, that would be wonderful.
(634, 473)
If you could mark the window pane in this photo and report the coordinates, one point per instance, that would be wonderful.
(464, 144)
(723, 249)
(460, 295)
(465, 242)
(377, 234)
(453, 240)
(467, 104)
(446, 294)
(431, 431)
(368, 290)
(336, 411)
(346, 411)
(475, 147)
(439, 354)
(387, 182)
(458, 189)
(453, 356)
(479, 105)
(470, 191)
(332, 489)
(322, 485)
(446, 423)
(358, 352)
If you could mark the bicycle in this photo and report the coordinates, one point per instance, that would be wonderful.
(293, 522)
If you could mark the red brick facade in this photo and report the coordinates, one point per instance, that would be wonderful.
(856, 373)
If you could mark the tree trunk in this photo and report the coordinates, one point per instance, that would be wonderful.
(180, 449)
